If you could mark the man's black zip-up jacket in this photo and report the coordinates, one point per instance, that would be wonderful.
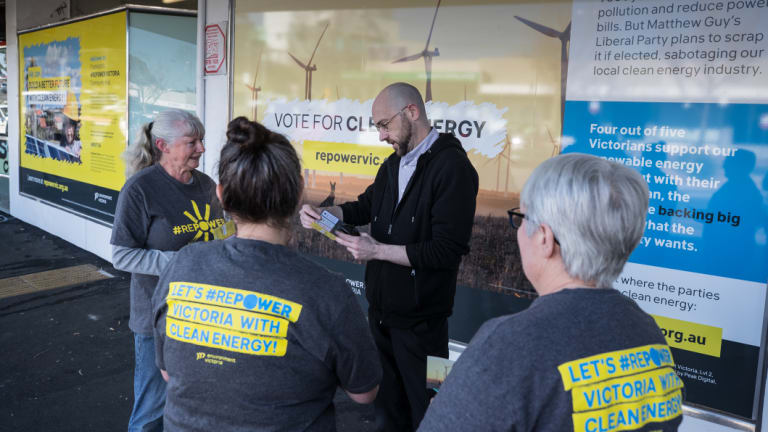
(434, 222)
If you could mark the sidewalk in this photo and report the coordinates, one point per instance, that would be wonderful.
(67, 352)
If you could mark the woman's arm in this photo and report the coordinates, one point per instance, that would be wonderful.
(144, 261)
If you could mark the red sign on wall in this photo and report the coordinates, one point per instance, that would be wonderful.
(215, 49)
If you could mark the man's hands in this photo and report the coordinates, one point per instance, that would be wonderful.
(366, 248)
(362, 247)
(309, 214)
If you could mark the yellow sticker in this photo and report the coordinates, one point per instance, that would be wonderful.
(630, 416)
(699, 338)
(625, 389)
(343, 157)
(234, 298)
(224, 231)
(213, 337)
(234, 319)
(614, 364)
(323, 231)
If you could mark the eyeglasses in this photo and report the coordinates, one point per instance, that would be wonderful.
(384, 125)
(515, 217)
(516, 220)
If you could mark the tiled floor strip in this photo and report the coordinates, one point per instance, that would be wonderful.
(50, 279)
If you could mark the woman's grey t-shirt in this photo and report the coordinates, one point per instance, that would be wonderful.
(575, 360)
(256, 337)
(156, 211)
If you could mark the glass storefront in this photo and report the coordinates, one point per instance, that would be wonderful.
(312, 74)
(654, 86)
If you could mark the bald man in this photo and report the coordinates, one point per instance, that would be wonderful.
(421, 207)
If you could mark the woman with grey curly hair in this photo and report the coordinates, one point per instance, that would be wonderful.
(164, 205)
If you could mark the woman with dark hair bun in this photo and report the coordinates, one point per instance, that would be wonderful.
(165, 204)
(250, 335)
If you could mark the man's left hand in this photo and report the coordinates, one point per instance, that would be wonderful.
(362, 247)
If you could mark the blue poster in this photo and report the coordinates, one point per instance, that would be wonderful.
(707, 170)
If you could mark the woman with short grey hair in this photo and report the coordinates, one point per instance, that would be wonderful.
(597, 221)
(579, 219)
(165, 204)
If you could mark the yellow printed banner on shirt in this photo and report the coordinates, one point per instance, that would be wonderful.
(234, 298)
(614, 364)
(630, 416)
(625, 389)
(213, 337)
(228, 318)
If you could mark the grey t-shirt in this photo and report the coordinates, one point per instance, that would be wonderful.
(256, 337)
(156, 211)
(576, 360)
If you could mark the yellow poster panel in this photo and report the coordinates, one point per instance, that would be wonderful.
(73, 111)
(343, 157)
(690, 336)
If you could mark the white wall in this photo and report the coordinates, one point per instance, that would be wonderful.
(39, 12)
(216, 95)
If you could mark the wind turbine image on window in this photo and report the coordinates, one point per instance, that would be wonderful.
(500, 158)
(427, 54)
(255, 90)
(309, 67)
(565, 37)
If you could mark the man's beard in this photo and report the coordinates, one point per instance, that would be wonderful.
(404, 142)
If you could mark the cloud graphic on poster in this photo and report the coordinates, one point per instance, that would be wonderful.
(567, 141)
(764, 121)
(480, 128)
(56, 57)
(56, 61)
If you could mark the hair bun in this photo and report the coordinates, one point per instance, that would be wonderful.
(239, 131)
(246, 133)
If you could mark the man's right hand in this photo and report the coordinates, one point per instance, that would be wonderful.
(309, 214)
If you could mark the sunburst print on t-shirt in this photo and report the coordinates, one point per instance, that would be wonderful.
(201, 224)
